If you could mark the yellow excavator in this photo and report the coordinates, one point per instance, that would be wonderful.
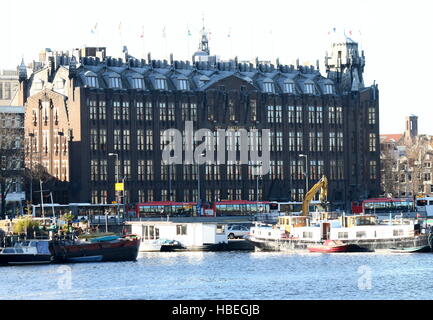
(322, 184)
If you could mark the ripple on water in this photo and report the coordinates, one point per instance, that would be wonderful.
(229, 275)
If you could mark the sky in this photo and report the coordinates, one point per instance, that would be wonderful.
(396, 37)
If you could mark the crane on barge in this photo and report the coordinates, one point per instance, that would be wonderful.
(321, 185)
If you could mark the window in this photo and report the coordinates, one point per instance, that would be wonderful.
(116, 110)
(309, 88)
(253, 108)
(140, 113)
(361, 234)
(278, 114)
(160, 84)
(92, 81)
(149, 111)
(371, 115)
(271, 114)
(115, 82)
(289, 87)
(372, 142)
(291, 114)
(299, 114)
(268, 86)
(181, 230)
(140, 139)
(373, 167)
(183, 84)
(138, 83)
(343, 235)
(311, 114)
(329, 88)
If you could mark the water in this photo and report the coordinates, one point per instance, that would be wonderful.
(228, 275)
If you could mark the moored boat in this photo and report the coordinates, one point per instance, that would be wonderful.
(101, 249)
(26, 253)
(330, 246)
(411, 249)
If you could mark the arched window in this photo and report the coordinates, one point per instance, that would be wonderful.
(91, 79)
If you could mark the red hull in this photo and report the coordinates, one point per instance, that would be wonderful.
(327, 249)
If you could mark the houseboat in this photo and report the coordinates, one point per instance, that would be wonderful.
(174, 236)
(26, 252)
(361, 232)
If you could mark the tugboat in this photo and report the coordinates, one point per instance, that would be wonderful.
(26, 253)
(98, 249)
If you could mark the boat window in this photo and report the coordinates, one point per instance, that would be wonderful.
(307, 235)
(221, 229)
(181, 230)
(8, 250)
(361, 234)
(19, 250)
(343, 235)
(33, 244)
(430, 202)
(397, 232)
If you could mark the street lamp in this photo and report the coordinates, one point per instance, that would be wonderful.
(31, 135)
(306, 169)
(117, 181)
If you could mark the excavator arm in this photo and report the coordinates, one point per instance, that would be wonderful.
(321, 185)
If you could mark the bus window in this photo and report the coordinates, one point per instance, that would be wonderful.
(421, 203)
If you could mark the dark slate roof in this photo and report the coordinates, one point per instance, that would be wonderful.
(200, 75)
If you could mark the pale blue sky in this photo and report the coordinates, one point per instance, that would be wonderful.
(396, 37)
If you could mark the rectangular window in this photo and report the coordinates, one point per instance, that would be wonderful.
(372, 115)
(126, 139)
(148, 111)
(149, 140)
(253, 108)
(291, 114)
(271, 114)
(299, 114)
(311, 115)
(372, 142)
(125, 111)
(140, 140)
(181, 230)
(116, 110)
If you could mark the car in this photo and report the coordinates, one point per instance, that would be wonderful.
(237, 231)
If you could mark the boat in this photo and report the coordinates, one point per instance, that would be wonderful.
(363, 232)
(330, 246)
(411, 249)
(27, 252)
(97, 249)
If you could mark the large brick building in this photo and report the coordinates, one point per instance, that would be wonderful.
(83, 105)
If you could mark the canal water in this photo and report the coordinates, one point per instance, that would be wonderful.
(229, 275)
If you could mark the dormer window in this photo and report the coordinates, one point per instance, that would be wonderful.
(309, 88)
(203, 80)
(268, 86)
(329, 88)
(115, 83)
(138, 83)
(161, 83)
(91, 79)
(289, 87)
(183, 84)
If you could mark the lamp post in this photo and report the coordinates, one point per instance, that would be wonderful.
(306, 170)
(117, 181)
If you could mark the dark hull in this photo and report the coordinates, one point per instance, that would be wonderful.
(24, 259)
(362, 245)
(123, 250)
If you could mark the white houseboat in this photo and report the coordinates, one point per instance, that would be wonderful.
(362, 232)
(173, 236)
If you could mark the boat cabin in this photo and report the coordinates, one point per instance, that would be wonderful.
(357, 220)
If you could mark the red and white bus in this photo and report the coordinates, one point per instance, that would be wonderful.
(218, 208)
(383, 206)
